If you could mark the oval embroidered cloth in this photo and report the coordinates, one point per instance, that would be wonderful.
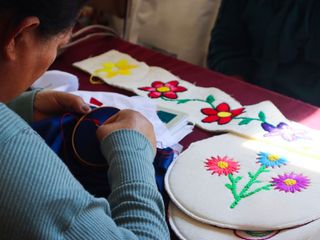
(234, 182)
(188, 228)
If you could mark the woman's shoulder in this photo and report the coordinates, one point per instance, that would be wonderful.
(10, 124)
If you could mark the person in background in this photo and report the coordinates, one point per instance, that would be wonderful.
(271, 43)
(40, 199)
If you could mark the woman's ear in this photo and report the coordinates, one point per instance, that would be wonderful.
(20, 36)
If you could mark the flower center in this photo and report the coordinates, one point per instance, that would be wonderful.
(290, 182)
(223, 165)
(273, 157)
(224, 114)
(163, 89)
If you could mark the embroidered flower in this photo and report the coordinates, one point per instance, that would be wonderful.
(122, 67)
(290, 182)
(271, 160)
(255, 235)
(283, 130)
(223, 165)
(221, 114)
(168, 90)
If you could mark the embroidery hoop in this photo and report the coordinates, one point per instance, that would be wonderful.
(101, 114)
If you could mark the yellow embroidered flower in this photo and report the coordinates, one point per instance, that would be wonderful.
(122, 67)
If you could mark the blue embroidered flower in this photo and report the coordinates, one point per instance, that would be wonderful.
(271, 160)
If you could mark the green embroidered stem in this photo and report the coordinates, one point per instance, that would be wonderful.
(243, 193)
(266, 188)
(247, 120)
(181, 101)
(233, 186)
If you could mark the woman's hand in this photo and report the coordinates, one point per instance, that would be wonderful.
(128, 119)
(50, 103)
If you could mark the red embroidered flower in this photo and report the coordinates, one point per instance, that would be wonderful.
(167, 90)
(221, 114)
(222, 165)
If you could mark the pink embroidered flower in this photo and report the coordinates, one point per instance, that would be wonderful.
(283, 130)
(168, 90)
(223, 165)
(221, 114)
(291, 182)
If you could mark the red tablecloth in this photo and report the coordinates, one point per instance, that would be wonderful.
(245, 93)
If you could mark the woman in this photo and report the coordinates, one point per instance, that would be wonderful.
(271, 43)
(40, 199)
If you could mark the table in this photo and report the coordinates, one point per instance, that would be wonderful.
(244, 92)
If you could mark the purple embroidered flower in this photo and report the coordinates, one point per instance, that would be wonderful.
(283, 130)
(291, 182)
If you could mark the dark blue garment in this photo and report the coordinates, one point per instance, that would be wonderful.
(57, 132)
(271, 43)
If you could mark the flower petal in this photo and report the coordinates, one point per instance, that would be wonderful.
(157, 84)
(223, 107)
(172, 84)
(237, 112)
(149, 89)
(171, 95)
(210, 119)
(267, 127)
(282, 125)
(209, 111)
(154, 94)
(178, 89)
(224, 120)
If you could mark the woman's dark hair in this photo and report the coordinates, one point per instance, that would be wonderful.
(55, 15)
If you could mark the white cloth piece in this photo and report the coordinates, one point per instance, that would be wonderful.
(58, 81)
(187, 228)
(137, 103)
(232, 182)
(113, 67)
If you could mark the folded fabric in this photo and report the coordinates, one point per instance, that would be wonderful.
(186, 228)
(57, 80)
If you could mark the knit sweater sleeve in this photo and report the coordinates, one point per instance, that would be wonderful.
(40, 199)
(23, 105)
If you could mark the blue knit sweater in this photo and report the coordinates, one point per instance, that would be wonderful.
(40, 199)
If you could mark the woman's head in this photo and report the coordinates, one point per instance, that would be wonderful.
(31, 31)
(55, 15)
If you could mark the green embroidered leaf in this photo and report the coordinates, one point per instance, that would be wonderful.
(245, 121)
(183, 101)
(228, 186)
(262, 116)
(210, 99)
(237, 179)
(250, 175)
(266, 187)
(257, 181)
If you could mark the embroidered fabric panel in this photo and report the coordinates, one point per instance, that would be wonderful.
(245, 184)
(209, 108)
(182, 223)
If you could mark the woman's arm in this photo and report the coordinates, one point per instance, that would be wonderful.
(42, 200)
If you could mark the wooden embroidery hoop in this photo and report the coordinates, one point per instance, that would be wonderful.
(110, 111)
